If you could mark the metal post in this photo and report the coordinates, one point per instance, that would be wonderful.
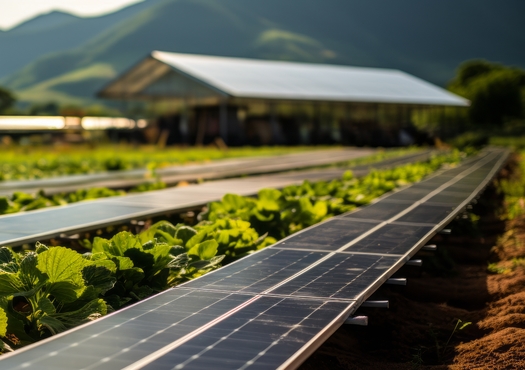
(396, 281)
(223, 121)
(274, 125)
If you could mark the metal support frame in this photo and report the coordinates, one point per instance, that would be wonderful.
(376, 304)
(396, 281)
(357, 320)
(417, 263)
(429, 248)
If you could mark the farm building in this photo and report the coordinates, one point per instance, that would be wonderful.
(255, 102)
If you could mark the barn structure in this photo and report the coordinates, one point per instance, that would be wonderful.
(248, 101)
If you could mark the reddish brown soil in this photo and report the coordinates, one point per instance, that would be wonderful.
(455, 284)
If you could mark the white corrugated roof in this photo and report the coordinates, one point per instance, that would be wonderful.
(250, 78)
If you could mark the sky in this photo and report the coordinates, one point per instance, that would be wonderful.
(14, 12)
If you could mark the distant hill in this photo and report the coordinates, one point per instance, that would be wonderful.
(65, 58)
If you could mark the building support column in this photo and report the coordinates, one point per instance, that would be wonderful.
(274, 125)
(223, 121)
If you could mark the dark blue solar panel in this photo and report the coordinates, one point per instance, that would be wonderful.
(342, 276)
(428, 214)
(119, 340)
(262, 335)
(329, 236)
(391, 239)
(380, 211)
(258, 272)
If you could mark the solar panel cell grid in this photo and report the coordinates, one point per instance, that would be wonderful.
(138, 331)
(257, 273)
(391, 239)
(429, 214)
(341, 276)
(264, 334)
(408, 194)
(328, 236)
(380, 211)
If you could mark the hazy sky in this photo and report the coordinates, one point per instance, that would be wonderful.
(13, 12)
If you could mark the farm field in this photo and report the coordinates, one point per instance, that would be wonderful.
(22, 163)
(22, 201)
(126, 267)
(464, 310)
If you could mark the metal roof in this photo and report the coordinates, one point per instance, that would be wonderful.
(279, 80)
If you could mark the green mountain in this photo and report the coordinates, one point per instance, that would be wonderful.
(428, 39)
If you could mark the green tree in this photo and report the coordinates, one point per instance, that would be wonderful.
(7, 100)
(495, 91)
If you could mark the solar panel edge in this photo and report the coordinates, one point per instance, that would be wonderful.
(310, 347)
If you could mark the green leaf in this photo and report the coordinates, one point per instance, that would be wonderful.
(46, 306)
(269, 200)
(40, 248)
(61, 264)
(141, 259)
(52, 324)
(3, 323)
(196, 239)
(10, 284)
(100, 245)
(29, 274)
(65, 291)
(6, 255)
(4, 205)
(233, 201)
(122, 242)
(63, 268)
(61, 321)
(99, 277)
(205, 250)
(185, 233)
(123, 263)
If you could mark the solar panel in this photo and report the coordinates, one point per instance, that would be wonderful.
(393, 239)
(214, 170)
(118, 340)
(408, 194)
(425, 213)
(380, 211)
(341, 276)
(263, 335)
(328, 236)
(257, 273)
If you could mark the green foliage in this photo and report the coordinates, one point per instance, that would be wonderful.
(281, 213)
(44, 293)
(7, 100)
(513, 189)
(495, 91)
(37, 163)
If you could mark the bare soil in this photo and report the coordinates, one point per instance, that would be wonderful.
(418, 331)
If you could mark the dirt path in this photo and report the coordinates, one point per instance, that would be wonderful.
(418, 329)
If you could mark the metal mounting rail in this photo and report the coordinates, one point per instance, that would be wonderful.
(273, 308)
(51, 222)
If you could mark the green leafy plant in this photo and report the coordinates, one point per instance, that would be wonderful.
(279, 213)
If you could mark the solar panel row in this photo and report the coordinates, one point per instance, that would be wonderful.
(213, 170)
(272, 308)
(51, 222)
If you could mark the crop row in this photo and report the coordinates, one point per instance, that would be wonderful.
(48, 290)
(21, 201)
(35, 163)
